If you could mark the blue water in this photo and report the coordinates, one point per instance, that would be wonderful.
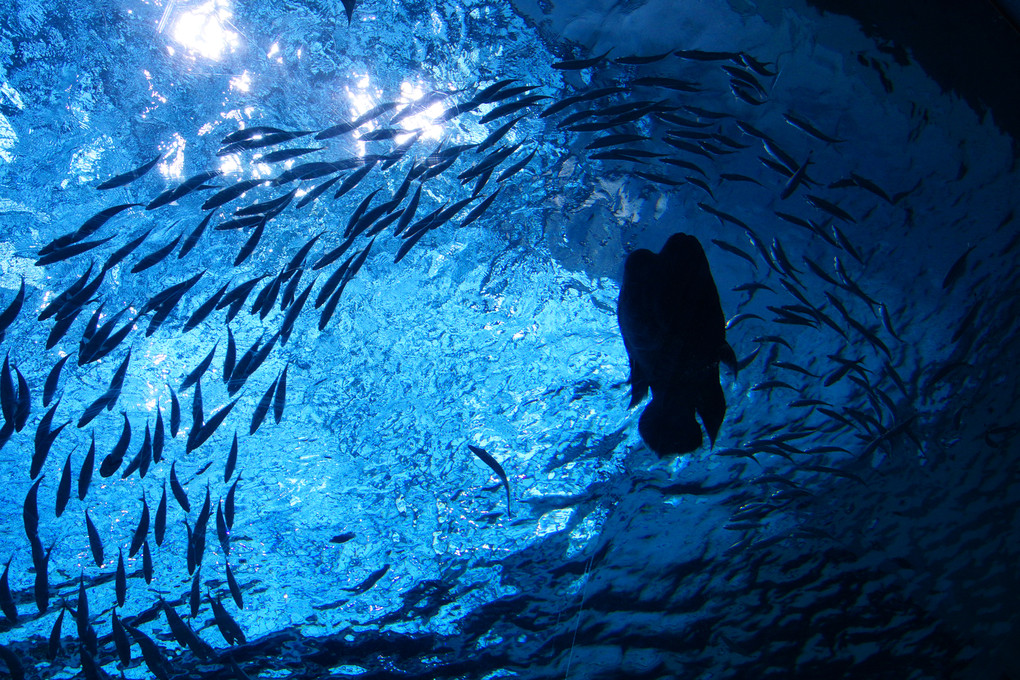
(890, 553)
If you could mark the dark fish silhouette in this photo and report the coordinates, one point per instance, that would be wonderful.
(8, 316)
(64, 488)
(578, 64)
(44, 438)
(487, 458)
(87, 467)
(52, 380)
(175, 413)
(178, 490)
(95, 542)
(7, 604)
(228, 504)
(228, 469)
(159, 524)
(53, 645)
(119, 255)
(372, 579)
(120, 639)
(222, 530)
(141, 531)
(957, 270)
(280, 398)
(156, 256)
(674, 331)
(112, 461)
(192, 240)
(153, 658)
(199, 370)
(130, 176)
(183, 633)
(227, 626)
(235, 590)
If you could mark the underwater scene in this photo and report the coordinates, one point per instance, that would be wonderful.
(532, 339)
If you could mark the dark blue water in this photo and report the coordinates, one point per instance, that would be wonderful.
(855, 518)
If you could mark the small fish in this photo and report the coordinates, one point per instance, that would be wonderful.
(141, 531)
(249, 246)
(222, 530)
(810, 129)
(120, 579)
(831, 208)
(7, 603)
(194, 236)
(175, 413)
(579, 64)
(342, 538)
(178, 490)
(834, 471)
(228, 628)
(232, 192)
(287, 154)
(151, 654)
(146, 562)
(730, 248)
(53, 647)
(637, 60)
(64, 488)
(280, 398)
(199, 436)
(480, 209)
(228, 469)
(130, 176)
(112, 461)
(120, 639)
(739, 318)
(196, 374)
(156, 256)
(372, 579)
(44, 438)
(70, 251)
(159, 526)
(228, 505)
(183, 633)
(235, 590)
(497, 468)
(958, 269)
(95, 542)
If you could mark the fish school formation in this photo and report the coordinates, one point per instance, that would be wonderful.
(662, 119)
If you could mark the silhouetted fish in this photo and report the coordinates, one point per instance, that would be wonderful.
(674, 331)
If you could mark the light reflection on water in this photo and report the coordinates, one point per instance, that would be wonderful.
(204, 29)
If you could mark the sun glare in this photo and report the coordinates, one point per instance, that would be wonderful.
(205, 30)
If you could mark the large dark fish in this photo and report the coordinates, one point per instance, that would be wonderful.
(674, 331)
(487, 458)
(130, 176)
